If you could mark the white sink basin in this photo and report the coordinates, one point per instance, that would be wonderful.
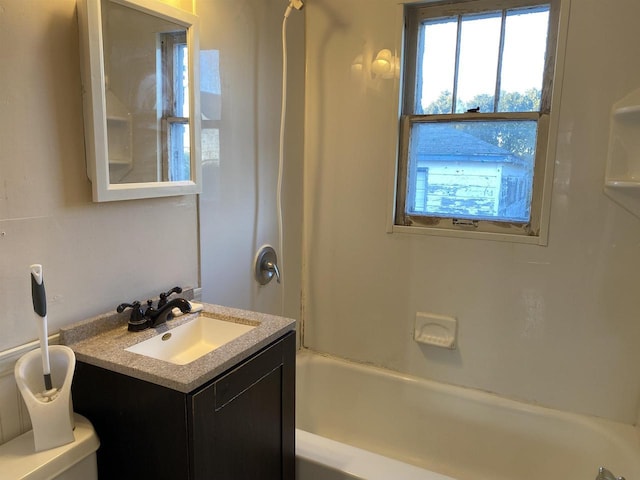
(188, 342)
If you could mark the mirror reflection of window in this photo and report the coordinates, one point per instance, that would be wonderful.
(176, 165)
(210, 104)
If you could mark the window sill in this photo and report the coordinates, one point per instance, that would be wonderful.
(446, 232)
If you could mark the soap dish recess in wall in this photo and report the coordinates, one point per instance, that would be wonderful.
(437, 330)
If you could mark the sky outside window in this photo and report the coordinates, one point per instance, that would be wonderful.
(524, 51)
(438, 61)
(522, 61)
(479, 50)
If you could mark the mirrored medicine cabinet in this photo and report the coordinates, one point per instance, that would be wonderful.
(140, 94)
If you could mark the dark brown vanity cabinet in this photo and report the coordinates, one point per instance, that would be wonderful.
(238, 426)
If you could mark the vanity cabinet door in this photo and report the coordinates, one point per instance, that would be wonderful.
(243, 424)
(141, 426)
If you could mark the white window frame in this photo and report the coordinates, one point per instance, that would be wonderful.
(536, 231)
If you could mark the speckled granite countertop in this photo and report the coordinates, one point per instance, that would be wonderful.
(101, 341)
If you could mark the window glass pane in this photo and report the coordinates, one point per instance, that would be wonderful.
(436, 66)
(525, 44)
(179, 164)
(181, 78)
(479, 51)
(477, 170)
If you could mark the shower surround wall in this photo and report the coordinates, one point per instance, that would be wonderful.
(238, 205)
(555, 325)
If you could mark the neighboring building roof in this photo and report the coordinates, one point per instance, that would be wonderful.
(446, 143)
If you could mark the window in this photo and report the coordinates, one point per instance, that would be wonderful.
(176, 165)
(475, 123)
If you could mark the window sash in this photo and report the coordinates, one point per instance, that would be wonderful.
(532, 228)
(416, 15)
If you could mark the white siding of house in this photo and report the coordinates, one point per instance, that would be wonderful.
(472, 189)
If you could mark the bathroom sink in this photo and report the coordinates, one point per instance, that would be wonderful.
(188, 342)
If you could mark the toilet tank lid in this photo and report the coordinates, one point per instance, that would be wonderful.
(19, 460)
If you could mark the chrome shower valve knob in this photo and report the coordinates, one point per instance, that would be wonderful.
(266, 265)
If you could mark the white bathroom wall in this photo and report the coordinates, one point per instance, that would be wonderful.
(238, 206)
(94, 255)
(555, 325)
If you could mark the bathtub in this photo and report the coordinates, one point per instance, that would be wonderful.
(362, 422)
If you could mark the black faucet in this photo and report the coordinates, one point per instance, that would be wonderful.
(142, 319)
(157, 316)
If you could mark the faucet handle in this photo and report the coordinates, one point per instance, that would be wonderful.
(135, 306)
(163, 296)
(266, 265)
(137, 321)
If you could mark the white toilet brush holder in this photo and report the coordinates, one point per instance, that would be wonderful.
(51, 411)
